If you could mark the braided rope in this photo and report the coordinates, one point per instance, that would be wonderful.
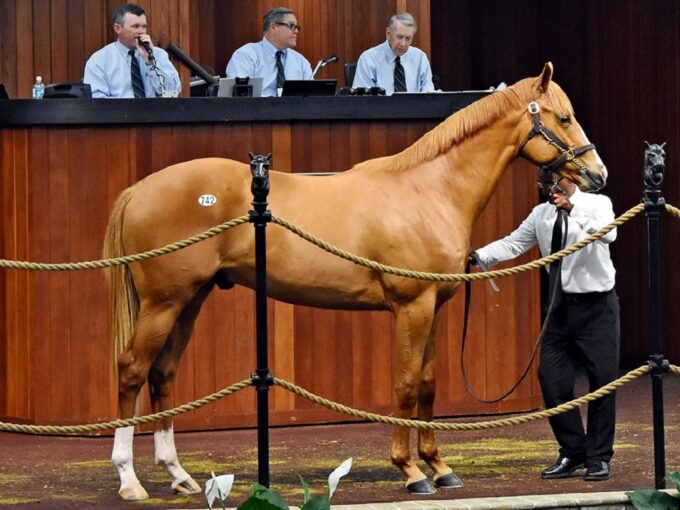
(95, 427)
(431, 425)
(673, 210)
(493, 424)
(459, 277)
(101, 264)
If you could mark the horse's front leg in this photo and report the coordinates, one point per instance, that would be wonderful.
(413, 324)
(444, 476)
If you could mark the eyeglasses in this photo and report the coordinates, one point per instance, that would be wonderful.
(293, 27)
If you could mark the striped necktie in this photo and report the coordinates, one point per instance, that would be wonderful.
(399, 77)
(136, 75)
(280, 73)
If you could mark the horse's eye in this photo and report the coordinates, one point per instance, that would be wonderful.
(565, 120)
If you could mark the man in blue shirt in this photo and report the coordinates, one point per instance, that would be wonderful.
(273, 58)
(131, 66)
(395, 65)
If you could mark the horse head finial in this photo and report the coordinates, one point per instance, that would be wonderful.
(259, 164)
(655, 163)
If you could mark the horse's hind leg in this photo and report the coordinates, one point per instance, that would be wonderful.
(149, 337)
(161, 379)
(427, 445)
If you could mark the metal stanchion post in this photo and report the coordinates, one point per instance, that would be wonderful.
(654, 206)
(262, 378)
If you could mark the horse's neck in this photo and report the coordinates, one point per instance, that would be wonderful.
(475, 166)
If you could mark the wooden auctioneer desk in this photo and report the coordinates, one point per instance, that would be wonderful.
(64, 161)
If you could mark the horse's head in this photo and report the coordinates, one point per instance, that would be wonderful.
(553, 140)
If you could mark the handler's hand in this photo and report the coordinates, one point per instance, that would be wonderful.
(560, 201)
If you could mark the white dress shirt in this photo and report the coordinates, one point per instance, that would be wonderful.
(108, 73)
(259, 59)
(375, 68)
(590, 269)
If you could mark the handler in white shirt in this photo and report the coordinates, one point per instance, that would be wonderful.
(583, 330)
(376, 66)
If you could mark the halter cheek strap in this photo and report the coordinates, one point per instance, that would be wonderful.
(567, 153)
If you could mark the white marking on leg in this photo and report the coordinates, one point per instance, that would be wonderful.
(121, 457)
(166, 456)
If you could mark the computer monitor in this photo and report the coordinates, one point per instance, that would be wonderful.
(226, 87)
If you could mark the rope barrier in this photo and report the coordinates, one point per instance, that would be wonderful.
(98, 264)
(420, 275)
(150, 418)
(430, 425)
(104, 263)
(460, 277)
(673, 210)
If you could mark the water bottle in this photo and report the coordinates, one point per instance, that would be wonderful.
(38, 88)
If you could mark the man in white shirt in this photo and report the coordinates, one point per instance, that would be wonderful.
(583, 329)
(395, 65)
(273, 58)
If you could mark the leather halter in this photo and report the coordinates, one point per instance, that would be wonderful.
(567, 154)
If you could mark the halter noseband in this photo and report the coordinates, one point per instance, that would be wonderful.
(567, 153)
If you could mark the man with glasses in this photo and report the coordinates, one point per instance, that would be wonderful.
(273, 58)
(395, 65)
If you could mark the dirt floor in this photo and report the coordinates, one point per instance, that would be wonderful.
(59, 473)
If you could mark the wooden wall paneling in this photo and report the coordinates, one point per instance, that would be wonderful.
(24, 49)
(18, 351)
(8, 38)
(40, 38)
(6, 155)
(58, 218)
(40, 303)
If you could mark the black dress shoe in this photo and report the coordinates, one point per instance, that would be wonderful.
(563, 468)
(597, 470)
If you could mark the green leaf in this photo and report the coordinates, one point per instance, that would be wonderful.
(305, 486)
(317, 503)
(263, 498)
(650, 499)
(675, 479)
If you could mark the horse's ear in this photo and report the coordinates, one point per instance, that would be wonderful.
(543, 80)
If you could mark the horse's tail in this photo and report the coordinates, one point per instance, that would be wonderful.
(124, 300)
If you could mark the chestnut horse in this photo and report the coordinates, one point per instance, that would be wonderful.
(415, 210)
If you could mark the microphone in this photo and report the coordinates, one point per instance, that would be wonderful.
(330, 60)
(147, 47)
(323, 62)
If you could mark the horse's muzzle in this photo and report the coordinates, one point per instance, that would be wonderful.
(595, 181)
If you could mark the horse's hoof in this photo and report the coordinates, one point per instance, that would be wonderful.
(133, 493)
(423, 486)
(188, 486)
(450, 481)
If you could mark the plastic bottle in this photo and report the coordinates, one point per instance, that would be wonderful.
(38, 88)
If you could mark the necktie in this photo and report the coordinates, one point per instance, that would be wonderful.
(399, 77)
(555, 276)
(136, 75)
(280, 73)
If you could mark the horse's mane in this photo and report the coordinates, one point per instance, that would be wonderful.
(465, 123)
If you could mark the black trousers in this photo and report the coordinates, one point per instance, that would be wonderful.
(584, 331)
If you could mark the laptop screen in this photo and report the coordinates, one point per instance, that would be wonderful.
(226, 87)
(309, 87)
